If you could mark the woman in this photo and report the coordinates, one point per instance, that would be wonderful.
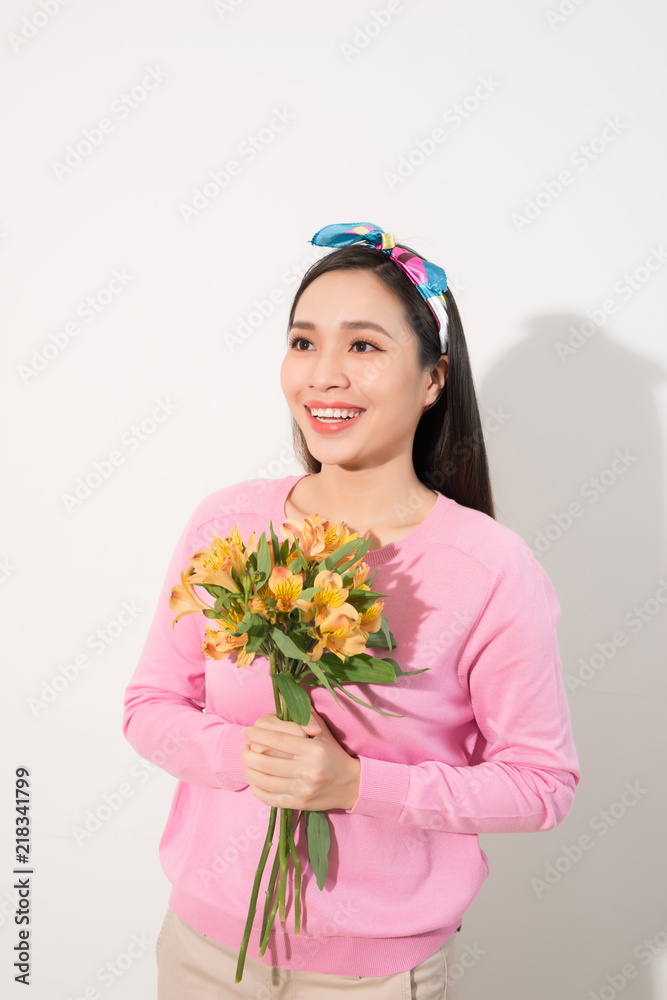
(378, 381)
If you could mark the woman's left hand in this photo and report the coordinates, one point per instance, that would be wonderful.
(313, 773)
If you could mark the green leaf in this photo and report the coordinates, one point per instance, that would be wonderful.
(360, 701)
(296, 698)
(211, 613)
(342, 550)
(301, 562)
(319, 839)
(406, 673)
(288, 645)
(221, 603)
(263, 560)
(317, 670)
(249, 620)
(402, 673)
(384, 628)
(368, 595)
(275, 543)
(256, 637)
(378, 639)
(360, 669)
(344, 567)
(307, 594)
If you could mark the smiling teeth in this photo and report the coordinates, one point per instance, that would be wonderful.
(329, 412)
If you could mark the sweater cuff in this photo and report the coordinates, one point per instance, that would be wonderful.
(228, 762)
(383, 788)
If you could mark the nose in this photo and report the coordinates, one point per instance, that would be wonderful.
(327, 371)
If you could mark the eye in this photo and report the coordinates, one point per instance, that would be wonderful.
(304, 340)
(295, 340)
(368, 343)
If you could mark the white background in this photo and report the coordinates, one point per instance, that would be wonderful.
(361, 100)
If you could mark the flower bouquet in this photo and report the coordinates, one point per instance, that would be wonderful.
(305, 605)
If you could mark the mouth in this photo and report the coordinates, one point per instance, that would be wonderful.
(327, 424)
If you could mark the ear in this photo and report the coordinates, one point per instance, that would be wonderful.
(437, 379)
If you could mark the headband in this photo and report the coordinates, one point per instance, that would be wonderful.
(429, 279)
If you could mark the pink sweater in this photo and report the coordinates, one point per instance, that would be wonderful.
(485, 746)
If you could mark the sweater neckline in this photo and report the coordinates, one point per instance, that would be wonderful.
(374, 557)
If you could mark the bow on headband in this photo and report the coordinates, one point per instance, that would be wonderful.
(429, 279)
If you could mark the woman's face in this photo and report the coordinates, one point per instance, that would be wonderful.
(351, 347)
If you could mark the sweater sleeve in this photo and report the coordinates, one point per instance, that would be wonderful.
(164, 718)
(528, 769)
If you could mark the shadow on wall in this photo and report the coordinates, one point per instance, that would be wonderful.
(577, 468)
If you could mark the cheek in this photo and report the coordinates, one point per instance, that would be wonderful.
(375, 375)
(383, 378)
(288, 377)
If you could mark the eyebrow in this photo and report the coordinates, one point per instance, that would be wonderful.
(355, 324)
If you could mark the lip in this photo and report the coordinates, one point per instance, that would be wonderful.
(333, 403)
(342, 425)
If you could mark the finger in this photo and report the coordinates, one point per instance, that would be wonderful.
(316, 723)
(280, 800)
(279, 725)
(270, 753)
(277, 740)
(266, 766)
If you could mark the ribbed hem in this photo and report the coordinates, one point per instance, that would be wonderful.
(337, 956)
(229, 760)
(383, 788)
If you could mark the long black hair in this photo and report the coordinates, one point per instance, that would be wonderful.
(448, 451)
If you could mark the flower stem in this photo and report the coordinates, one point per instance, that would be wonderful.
(297, 877)
(253, 898)
(265, 939)
(276, 698)
(286, 845)
(283, 851)
(269, 898)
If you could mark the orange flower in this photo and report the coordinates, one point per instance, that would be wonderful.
(317, 538)
(210, 565)
(339, 635)
(257, 605)
(370, 620)
(286, 587)
(360, 573)
(336, 535)
(331, 596)
(220, 643)
(237, 556)
(184, 599)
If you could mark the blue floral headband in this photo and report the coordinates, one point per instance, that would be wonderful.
(429, 279)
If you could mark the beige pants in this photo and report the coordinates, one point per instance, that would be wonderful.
(192, 966)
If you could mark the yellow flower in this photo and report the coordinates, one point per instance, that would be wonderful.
(220, 643)
(210, 565)
(317, 538)
(371, 620)
(237, 556)
(257, 605)
(360, 575)
(184, 599)
(331, 596)
(310, 536)
(286, 587)
(339, 635)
